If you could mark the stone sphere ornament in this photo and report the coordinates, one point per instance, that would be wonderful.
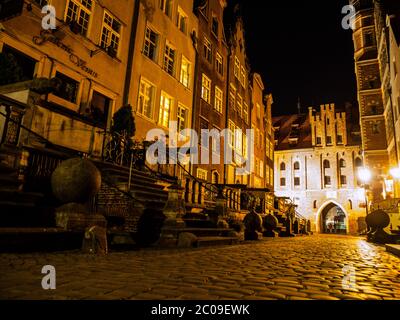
(76, 180)
(378, 219)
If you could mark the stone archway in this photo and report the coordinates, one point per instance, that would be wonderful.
(332, 218)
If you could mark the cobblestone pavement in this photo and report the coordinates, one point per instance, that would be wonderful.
(299, 268)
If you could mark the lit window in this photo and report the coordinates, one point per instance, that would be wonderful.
(166, 7)
(202, 174)
(258, 111)
(231, 133)
(146, 99)
(245, 146)
(206, 89)
(182, 20)
(207, 50)
(246, 112)
(237, 68)
(182, 117)
(165, 109)
(261, 169)
(232, 98)
(169, 59)
(111, 34)
(219, 99)
(219, 62)
(151, 44)
(185, 72)
(79, 12)
(243, 77)
(239, 104)
(239, 141)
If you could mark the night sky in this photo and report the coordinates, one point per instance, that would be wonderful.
(301, 51)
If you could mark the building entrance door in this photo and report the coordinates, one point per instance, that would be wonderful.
(333, 220)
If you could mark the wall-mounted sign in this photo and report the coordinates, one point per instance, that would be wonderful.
(48, 36)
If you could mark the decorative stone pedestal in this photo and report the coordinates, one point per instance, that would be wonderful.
(253, 226)
(270, 223)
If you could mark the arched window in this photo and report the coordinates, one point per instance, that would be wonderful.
(358, 163)
(350, 204)
(315, 204)
(342, 163)
(215, 177)
(296, 165)
(283, 166)
(327, 164)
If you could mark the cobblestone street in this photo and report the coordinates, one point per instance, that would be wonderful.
(299, 268)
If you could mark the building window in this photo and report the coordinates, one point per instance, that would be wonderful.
(339, 139)
(243, 77)
(358, 163)
(315, 204)
(296, 165)
(319, 141)
(182, 20)
(283, 166)
(237, 68)
(99, 108)
(215, 26)
(258, 110)
(110, 35)
(231, 134)
(343, 180)
(283, 182)
(245, 146)
(169, 59)
(327, 164)
(232, 98)
(151, 44)
(328, 140)
(297, 181)
(342, 163)
(206, 89)
(219, 62)
(215, 177)
(166, 7)
(146, 99)
(207, 50)
(375, 128)
(182, 117)
(165, 109)
(219, 99)
(368, 40)
(41, 3)
(79, 12)
(239, 104)
(202, 174)
(239, 141)
(185, 72)
(25, 66)
(261, 169)
(327, 180)
(350, 204)
(68, 89)
(246, 112)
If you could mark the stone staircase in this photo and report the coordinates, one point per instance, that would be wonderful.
(153, 194)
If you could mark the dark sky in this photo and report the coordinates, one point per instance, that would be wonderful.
(301, 50)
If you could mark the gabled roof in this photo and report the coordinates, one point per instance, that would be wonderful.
(294, 132)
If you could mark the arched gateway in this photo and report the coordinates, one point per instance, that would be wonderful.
(332, 218)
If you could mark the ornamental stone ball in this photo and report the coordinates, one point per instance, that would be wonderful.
(378, 219)
(76, 180)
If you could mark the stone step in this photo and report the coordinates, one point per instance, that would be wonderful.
(9, 181)
(25, 214)
(5, 169)
(144, 195)
(216, 241)
(204, 232)
(38, 240)
(393, 249)
(198, 223)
